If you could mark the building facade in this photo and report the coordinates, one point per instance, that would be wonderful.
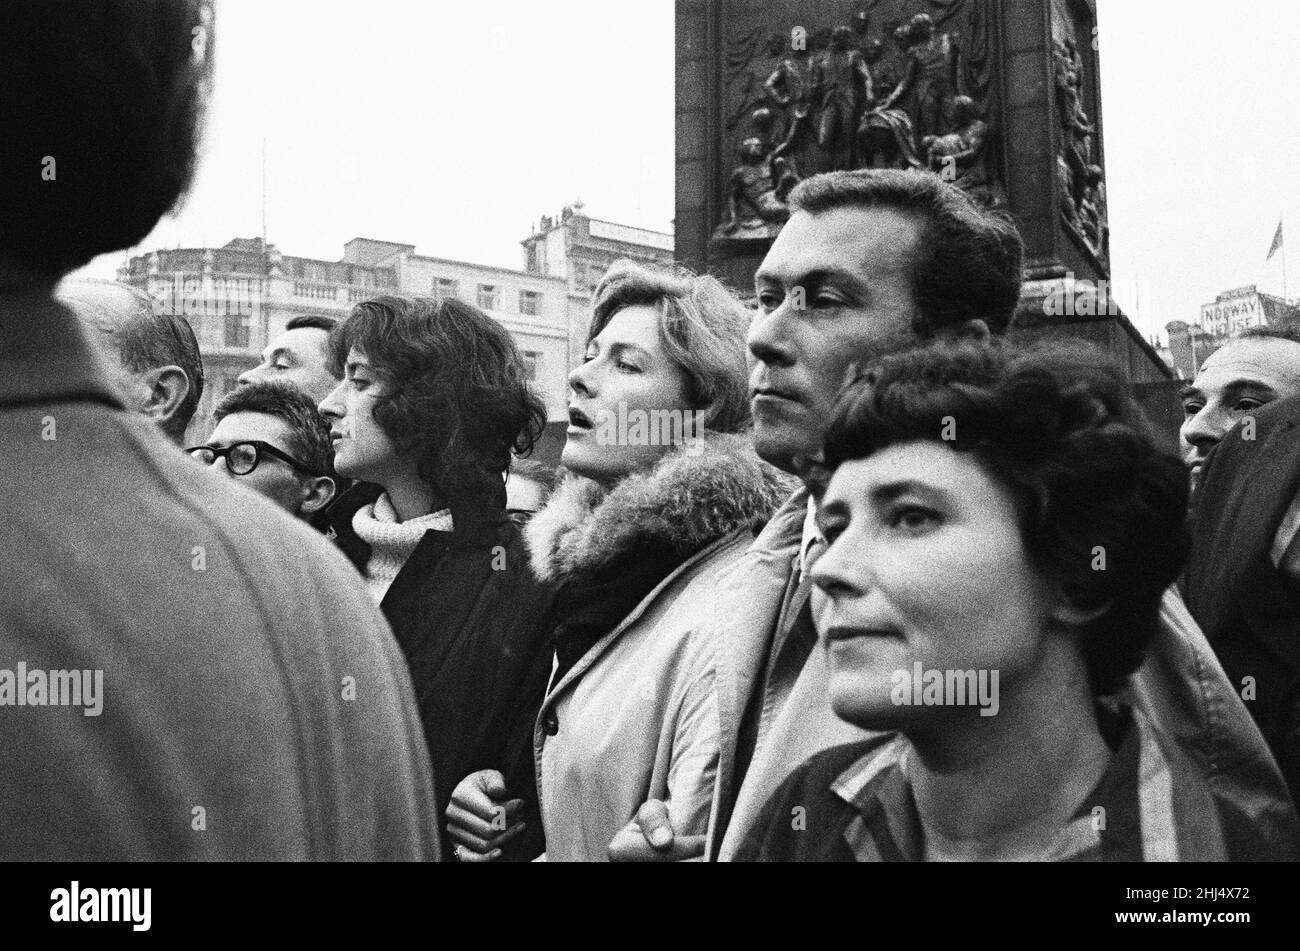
(579, 249)
(240, 296)
(1228, 314)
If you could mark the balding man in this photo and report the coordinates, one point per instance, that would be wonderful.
(1253, 369)
(154, 357)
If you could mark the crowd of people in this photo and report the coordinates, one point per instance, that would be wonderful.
(897, 586)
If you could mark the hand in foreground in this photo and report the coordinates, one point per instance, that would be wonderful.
(480, 818)
(650, 838)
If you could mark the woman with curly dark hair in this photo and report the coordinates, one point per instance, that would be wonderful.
(1001, 525)
(432, 404)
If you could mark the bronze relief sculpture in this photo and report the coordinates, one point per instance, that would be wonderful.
(1081, 184)
(902, 93)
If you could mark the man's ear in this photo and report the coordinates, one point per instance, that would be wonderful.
(1068, 613)
(167, 388)
(318, 492)
(973, 331)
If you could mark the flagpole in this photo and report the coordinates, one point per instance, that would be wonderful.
(264, 203)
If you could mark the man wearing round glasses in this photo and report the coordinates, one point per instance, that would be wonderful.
(271, 438)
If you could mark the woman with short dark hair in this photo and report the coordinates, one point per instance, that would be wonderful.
(433, 402)
(1001, 525)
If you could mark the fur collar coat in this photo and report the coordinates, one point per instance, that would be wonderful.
(691, 498)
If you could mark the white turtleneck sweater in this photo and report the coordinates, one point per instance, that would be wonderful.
(391, 541)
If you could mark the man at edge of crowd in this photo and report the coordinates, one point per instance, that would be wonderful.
(1254, 368)
(1243, 573)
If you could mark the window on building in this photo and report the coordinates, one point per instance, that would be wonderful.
(488, 295)
(530, 303)
(237, 330)
(444, 288)
(530, 365)
(534, 265)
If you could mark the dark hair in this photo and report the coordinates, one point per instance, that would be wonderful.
(113, 93)
(144, 336)
(702, 326)
(1054, 424)
(458, 400)
(309, 431)
(968, 260)
(1291, 333)
(314, 321)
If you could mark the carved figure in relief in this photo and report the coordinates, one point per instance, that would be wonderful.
(1080, 181)
(1092, 211)
(932, 77)
(756, 199)
(1069, 101)
(845, 83)
(794, 86)
(959, 155)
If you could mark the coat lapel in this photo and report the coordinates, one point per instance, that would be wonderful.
(749, 599)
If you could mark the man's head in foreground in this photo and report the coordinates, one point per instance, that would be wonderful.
(271, 438)
(1253, 369)
(155, 357)
(101, 102)
(299, 356)
(869, 262)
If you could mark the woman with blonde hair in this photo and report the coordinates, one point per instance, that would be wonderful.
(661, 493)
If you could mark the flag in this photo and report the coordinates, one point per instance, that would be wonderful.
(1276, 246)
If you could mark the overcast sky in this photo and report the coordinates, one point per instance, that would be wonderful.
(455, 125)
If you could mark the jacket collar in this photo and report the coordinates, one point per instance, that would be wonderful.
(588, 660)
(1134, 795)
(687, 502)
(46, 357)
(475, 524)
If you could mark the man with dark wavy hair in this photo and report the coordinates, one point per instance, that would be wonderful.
(214, 671)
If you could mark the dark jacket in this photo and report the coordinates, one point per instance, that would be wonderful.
(473, 623)
(1247, 608)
